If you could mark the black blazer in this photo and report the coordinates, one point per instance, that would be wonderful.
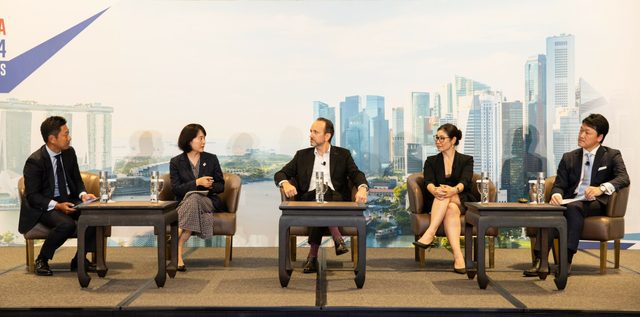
(183, 180)
(608, 166)
(461, 172)
(39, 184)
(341, 165)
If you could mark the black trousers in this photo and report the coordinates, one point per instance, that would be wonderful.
(316, 233)
(575, 214)
(63, 226)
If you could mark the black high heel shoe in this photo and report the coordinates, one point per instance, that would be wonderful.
(422, 245)
(462, 270)
(181, 268)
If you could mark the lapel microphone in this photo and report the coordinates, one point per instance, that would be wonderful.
(324, 163)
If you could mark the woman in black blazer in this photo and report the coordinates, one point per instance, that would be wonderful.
(196, 180)
(447, 180)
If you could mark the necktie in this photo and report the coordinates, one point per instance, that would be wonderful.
(586, 178)
(62, 184)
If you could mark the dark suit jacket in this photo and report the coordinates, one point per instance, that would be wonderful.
(183, 180)
(39, 184)
(341, 165)
(608, 166)
(461, 172)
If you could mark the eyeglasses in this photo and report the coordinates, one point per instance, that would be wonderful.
(440, 138)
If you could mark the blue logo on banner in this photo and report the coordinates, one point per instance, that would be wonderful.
(22, 66)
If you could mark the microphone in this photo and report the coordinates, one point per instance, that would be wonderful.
(587, 163)
(324, 163)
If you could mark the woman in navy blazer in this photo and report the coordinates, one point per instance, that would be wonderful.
(196, 180)
(447, 181)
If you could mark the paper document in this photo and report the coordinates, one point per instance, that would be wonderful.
(570, 200)
(197, 192)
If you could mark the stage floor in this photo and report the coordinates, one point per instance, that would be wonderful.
(393, 280)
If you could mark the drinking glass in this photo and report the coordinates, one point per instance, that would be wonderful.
(483, 187)
(112, 187)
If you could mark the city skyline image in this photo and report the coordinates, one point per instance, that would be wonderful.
(516, 78)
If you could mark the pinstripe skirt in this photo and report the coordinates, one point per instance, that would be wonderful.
(195, 213)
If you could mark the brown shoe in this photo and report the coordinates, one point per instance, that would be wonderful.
(311, 265)
(341, 247)
(534, 269)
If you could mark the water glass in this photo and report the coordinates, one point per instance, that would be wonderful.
(156, 184)
(104, 186)
(483, 187)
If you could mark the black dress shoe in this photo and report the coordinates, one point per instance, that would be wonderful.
(42, 267)
(89, 267)
(311, 265)
(181, 268)
(422, 245)
(341, 247)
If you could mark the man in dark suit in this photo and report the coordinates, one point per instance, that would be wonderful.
(53, 185)
(338, 167)
(591, 173)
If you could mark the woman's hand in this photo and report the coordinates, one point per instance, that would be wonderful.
(205, 181)
(440, 192)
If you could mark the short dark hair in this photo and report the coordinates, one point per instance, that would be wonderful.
(599, 123)
(451, 131)
(51, 126)
(328, 127)
(188, 133)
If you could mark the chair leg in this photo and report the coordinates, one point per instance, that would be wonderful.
(416, 250)
(492, 251)
(354, 250)
(231, 249)
(31, 265)
(293, 247)
(422, 257)
(475, 249)
(227, 250)
(533, 247)
(556, 251)
(616, 253)
(603, 257)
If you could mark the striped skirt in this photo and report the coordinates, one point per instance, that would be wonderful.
(195, 213)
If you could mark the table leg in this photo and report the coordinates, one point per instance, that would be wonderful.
(362, 254)
(563, 266)
(83, 277)
(544, 253)
(284, 271)
(468, 250)
(101, 268)
(161, 233)
(483, 280)
(173, 264)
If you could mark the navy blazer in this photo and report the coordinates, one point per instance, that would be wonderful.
(39, 184)
(461, 172)
(183, 180)
(341, 166)
(608, 167)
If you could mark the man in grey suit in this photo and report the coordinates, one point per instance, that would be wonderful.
(591, 173)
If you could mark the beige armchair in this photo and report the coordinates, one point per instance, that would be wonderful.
(296, 231)
(605, 228)
(224, 222)
(39, 231)
(421, 218)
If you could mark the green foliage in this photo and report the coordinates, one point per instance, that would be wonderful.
(7, 237)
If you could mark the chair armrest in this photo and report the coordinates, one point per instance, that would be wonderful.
(414, 190)
(617, 206)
